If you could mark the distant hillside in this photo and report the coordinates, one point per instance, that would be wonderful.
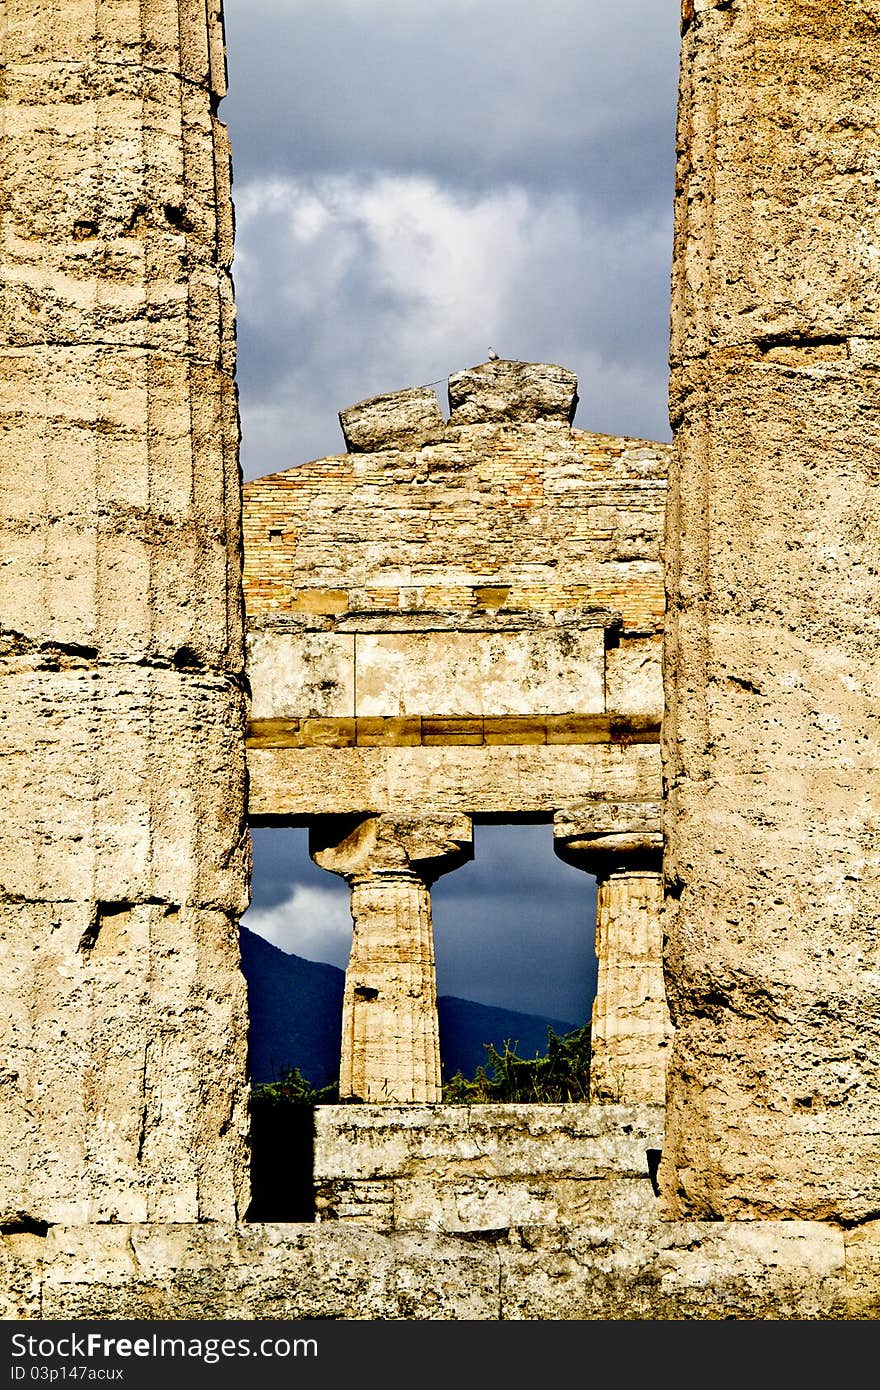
(296, 1019)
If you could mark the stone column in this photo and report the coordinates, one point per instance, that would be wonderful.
(123, 843)
(772, 660)
(390, 1037)
(630, 1031)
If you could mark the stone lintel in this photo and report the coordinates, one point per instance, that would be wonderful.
(360, 847)
(404, 731)
(605, 837)
(506, 391)
(398, 419)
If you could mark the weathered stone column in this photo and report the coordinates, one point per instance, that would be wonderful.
(772, 663)
(630, 1032)
(123, 844)
(390, 1037)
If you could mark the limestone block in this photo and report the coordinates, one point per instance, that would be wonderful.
(301, 674)
(512, 391)
(123, 1084)
(621, 1269)
(634, 676)
(122, 825)
(681, 1271)
(481, 1168)
(550, 672)
(494, 1204)
(184, 36)
(399, 419)
(493, 780)
(616, 1269)
(111, 541)
(784, 233)
(21, 1260)
(863, 1270)
(604, 826)
(495, 1140)
(265, 1272)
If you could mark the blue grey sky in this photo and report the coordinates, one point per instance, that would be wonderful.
(413, 183)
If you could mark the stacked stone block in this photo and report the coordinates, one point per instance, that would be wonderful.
(124, 851)
(458, 617)
(772, 674)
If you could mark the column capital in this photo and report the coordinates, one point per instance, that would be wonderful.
(358, 846)
(604, 837)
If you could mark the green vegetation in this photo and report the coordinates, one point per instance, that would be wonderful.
(562, 1075)
(292, 1088)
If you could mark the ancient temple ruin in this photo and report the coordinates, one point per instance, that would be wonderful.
(455, 618)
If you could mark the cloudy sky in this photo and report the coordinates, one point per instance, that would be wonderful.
(413, 183)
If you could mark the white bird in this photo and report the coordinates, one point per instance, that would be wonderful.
(493, 355)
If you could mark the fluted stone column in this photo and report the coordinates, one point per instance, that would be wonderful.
(772, 658)
(630, 1031)
(390, 1037)
(123, 844)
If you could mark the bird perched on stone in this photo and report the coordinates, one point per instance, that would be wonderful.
(493, 355)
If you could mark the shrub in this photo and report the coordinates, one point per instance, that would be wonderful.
(562, 1075)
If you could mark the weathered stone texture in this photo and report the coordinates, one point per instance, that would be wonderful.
(454, 618)
(124, 854)
(492, 520)
(606, 1270)
(508, 569)
(390, 1032)
(772, 675)
(485, 778)
(396, 420)
(512, 391)
(485, 1167)
(630, 1030)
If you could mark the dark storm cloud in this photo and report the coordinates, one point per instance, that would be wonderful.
(559, 94)
(517, 924)
(542, 138)
(348, 287)
(514, 927)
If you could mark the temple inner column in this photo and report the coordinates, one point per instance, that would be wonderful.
(630, 1028)
(390, 1036)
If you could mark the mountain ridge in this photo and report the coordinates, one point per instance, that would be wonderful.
(295, 1009)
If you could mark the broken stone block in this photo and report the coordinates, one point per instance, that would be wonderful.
(512, 391)
(395, 420)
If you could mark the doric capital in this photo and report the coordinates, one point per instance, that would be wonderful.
(355, 847)
(604, 837)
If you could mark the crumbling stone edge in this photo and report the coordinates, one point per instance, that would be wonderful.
(761, 1270)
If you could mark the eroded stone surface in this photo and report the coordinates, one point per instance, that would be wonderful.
(513, 391)
(615, 1269)
(485, 1167)
(772, 674)
(630, 1030)
(390, 1033)
(124, 858)
(124, 852)
(396, 420)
